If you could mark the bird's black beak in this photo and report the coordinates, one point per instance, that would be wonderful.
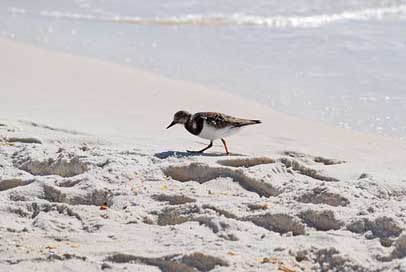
(171, 124)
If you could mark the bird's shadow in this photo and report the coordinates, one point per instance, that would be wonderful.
(183, 154)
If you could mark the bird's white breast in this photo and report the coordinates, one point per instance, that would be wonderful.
(211, 133)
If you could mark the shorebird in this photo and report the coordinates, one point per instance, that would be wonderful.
(211, 126)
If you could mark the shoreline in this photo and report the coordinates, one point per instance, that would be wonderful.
(194, 85)
(208, 88)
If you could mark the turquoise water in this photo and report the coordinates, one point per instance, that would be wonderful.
(341, 62)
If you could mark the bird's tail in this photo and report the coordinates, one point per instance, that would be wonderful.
(248, 122)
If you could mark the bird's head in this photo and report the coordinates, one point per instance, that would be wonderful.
(181, 117)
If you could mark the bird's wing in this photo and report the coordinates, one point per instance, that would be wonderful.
(220, 120)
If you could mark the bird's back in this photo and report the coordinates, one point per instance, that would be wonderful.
(220, 120)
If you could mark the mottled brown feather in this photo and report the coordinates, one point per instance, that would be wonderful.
(220, 120)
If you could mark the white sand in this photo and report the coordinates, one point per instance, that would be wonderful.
(77, 133)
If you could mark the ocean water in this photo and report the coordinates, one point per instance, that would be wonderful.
(340, 62)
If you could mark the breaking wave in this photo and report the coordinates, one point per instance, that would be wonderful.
(232, 19)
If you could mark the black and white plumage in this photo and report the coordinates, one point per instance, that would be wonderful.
(211, 125)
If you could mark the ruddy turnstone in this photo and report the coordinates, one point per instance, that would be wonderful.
(211, 126)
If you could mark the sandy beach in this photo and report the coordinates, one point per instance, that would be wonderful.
(91, 180)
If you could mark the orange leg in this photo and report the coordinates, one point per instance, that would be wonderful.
(225, 146)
